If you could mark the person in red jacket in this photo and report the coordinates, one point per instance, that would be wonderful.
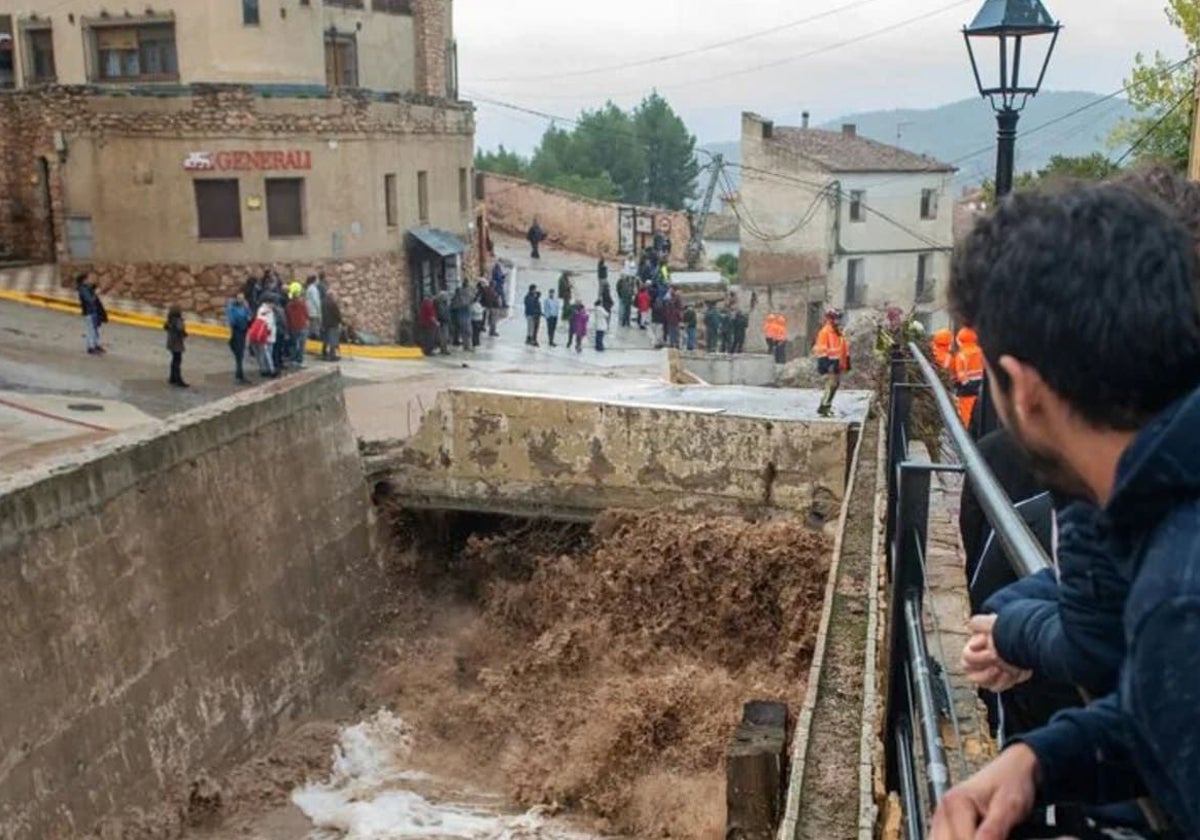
(427, 323)
(297, 318)
(643, 306)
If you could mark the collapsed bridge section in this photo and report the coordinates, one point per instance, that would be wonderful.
(572, 457)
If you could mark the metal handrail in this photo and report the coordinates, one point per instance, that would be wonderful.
(1020, 545)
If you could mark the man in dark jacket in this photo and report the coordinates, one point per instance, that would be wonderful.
(535, 236)
(533, 316)
(1114, 421)
(331, 320)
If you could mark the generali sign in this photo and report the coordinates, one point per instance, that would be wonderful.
(296, 160)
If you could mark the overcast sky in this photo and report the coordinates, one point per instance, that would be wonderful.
(532, 53)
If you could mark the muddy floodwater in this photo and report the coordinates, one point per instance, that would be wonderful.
(548, 680)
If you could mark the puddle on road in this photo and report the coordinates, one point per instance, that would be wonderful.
(373, 794)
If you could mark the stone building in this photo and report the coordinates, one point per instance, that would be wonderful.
(174, 147)
(832, 219)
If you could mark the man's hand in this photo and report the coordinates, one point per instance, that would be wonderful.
(982, 663)
(992, 802)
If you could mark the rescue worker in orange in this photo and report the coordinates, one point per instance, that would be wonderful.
(968, 373)
(941, 345)
(832, 350)
(775, 331)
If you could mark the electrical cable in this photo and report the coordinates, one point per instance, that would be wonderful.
(771, 64)
(1137, 144)
(690, 52)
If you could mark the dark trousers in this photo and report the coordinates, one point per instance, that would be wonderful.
(600, 340)
(176, 367)
(551, 328)
(237, 346)
(476, 332)
(535, 254)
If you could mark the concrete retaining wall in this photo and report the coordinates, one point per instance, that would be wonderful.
(169, 596)
(534, 455)
(744, 369)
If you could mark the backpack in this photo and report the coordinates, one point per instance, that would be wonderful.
(259, 333)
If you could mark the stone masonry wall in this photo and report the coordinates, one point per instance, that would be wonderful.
(432, 31)
(571, 221)
(375, 292)
(168, 598)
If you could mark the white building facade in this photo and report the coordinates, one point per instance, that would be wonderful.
(832, 219)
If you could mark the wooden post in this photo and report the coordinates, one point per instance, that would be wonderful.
(754, 773)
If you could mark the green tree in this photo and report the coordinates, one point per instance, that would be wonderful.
(1093, 167)
(1163, 98)
(727, 264)
(501, 162)
(645, 156)
(671, 166)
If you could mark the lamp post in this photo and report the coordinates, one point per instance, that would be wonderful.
(1011, 28)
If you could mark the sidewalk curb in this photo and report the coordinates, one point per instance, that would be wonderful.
(199, 329)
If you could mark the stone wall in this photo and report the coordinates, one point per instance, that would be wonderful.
(170, 596)
(533, 455)
(571, 221)
(375, 292)
(432, 30)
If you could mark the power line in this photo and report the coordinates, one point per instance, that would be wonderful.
(819, 51)
(646, 62)
(920, 237)
(1146, 135)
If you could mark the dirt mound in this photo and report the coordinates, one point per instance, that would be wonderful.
(608, 681)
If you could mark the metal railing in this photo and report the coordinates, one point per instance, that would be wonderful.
(916, 681)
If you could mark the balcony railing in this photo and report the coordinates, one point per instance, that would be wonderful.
(917, 766)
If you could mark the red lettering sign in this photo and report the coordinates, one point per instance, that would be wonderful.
(257, 161)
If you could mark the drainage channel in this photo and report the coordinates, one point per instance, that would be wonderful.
(829, 795)
(532, 671)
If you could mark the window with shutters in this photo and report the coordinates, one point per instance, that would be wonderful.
(423, 197)
(250, 12)
(929, 204)
(8, 77)
(392, 7)
(464, 191)
(389, 200)
(285, 207)
(218, 209)
(341, 60)
(856, 284)
(858, 202)
(39, 56)
(143, 53)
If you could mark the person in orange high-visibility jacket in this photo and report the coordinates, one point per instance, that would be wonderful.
(832, 350)
(940, 345)
(968, 373)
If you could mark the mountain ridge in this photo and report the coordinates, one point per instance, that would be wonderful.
(1070, 123)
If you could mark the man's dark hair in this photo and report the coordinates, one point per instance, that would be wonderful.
(1095, 288)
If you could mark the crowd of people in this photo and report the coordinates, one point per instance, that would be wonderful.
(1082, 315)
(270, 321)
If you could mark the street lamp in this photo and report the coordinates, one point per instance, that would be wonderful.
(1010, 28)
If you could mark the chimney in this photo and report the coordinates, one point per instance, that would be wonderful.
(804, 120)
(768, 129)
(850, 129)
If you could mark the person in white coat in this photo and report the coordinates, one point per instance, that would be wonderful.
(600, 320)
(266, 350)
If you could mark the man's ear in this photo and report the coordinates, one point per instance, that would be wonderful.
(1027, 390)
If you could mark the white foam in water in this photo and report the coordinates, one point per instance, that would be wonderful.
(365, 797)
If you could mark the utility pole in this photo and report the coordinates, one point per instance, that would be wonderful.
(695, 248)
(1194, 153)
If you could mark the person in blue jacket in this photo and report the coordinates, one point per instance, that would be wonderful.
(1067, 628)
(1087, 309)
